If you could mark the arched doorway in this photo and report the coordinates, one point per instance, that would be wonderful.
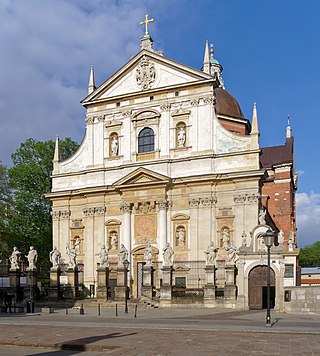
(258, 288)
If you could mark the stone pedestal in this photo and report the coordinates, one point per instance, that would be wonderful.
(147, 287)
(230, 289)
(221, 262)
(166, 288)
(120, 289)
(71, 290)
(31, 290)
(103, 282)
(209, 290)
(54, 290)
(14, 278)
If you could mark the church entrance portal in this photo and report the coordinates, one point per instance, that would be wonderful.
(258, 288)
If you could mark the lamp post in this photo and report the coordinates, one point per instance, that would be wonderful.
(268, 238)
(126, 266)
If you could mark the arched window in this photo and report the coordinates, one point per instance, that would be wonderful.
(146, 140)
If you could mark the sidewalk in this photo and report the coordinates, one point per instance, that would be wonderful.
(165, 332)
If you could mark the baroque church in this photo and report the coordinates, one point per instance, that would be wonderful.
(170, 175)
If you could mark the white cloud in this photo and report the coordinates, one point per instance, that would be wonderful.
(308, 218)
(45, 60)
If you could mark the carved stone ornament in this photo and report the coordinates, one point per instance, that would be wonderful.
(240, 198)
(194, 203)
(163, 205)
(165, 107)
(126, 208)
(88, 211)
(90, 120)
(209, 100)
(55, 215)
(208, 201)
(253, 198)
(146, 207)
(65, 214)
(194, 102)
(145, 74)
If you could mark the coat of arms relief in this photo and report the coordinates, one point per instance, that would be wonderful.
(145, 73)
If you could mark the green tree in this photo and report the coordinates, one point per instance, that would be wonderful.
(30, 222)
(310, 255)
(5, 207)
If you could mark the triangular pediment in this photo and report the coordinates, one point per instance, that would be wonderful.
(141, 176)
(145, 71)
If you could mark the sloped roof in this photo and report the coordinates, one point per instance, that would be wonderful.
(271, 156)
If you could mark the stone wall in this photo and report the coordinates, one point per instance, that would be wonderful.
(302, 299)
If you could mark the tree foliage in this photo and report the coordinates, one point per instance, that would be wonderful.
(310, 255)
(5, 203)
(30, 222)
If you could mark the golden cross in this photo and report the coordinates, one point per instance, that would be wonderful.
(146, 21)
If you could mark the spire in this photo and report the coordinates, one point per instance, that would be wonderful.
(206, 60)
(146, 40)
(56, 157)
(254, 127)
(91, 86)
(288, 129)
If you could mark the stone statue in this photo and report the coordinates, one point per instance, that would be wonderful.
(280, 237)
(211, 253)
(103, 257)
(55, 256)
(244, 239)
(167, 255)
(291, 241)
(181, 236)
(32, 259)
(232, 252)
(181, 137)
(225, 238)
(123, 255)
(15, 259)
(72, 254)
(114, 146)
(262, 216)
(114, 240)
(77, 246)
(148, 254)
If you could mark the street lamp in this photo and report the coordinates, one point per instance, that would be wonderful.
(268, 238)
(126, 266)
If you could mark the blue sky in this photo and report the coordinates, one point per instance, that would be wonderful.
(270, 52)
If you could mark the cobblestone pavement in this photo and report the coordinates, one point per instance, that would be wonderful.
(163, 332)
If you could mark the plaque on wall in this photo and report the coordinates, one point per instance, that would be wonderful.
(288, 271)
(145, 228)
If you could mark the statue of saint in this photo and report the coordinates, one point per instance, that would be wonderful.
(167, 255)
(225, 238)
(262, 216)
(72, 254)
(211, 253)
(77, 246)
(103, 257)
(232, 252)
(123, 254)
(114, 146)
(55, 256)
(114, 240)
(181, 236)
(280, 237)
(148, 254)
(181, 137)
(15, 258)
(32, 259)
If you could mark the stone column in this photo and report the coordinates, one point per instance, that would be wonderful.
(241, 299)
(163, 206)
(210, 287)
(126, 238)
(103, 282)
(147, 287)
(31, 289)
(166, 288)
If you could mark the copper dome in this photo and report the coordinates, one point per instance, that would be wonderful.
(227, 105)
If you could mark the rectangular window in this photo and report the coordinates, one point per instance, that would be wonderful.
(181, 282)
(151, 97)
(118, 104)
(176, 93)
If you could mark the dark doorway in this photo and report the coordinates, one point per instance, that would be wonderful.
(258, 287)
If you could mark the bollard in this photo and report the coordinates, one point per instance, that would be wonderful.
(14, 307)
(99, 309)
(67, 310)
(116, 309)
(81, 310)
(135, 311)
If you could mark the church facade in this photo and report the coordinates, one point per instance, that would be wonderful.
(169, 161)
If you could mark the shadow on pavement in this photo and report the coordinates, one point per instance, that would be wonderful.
(80, 345)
